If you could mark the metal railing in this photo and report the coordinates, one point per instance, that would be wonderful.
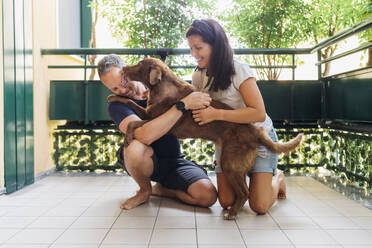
(333, 147)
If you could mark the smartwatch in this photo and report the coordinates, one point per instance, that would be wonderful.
(181, 106)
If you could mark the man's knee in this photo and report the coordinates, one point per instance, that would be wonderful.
(138, 156)
(136, 152)
(204, 192)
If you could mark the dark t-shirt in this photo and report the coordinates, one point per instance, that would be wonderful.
(167, 146)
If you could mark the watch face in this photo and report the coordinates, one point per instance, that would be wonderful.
(180, 106)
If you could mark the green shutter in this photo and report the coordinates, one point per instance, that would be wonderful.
(85, 22)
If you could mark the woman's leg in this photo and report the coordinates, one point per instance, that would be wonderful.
(265, 189)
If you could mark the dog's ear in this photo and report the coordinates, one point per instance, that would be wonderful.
(155, 75)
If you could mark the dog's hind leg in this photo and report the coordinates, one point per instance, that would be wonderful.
(239, 184)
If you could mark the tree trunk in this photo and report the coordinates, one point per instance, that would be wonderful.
(369, 62)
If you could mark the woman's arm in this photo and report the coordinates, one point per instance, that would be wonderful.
(254, 112)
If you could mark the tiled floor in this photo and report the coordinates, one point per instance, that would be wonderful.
(70, 211)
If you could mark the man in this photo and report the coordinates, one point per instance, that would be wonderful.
(154, 154)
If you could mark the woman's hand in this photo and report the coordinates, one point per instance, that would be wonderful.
(204, 116)
(196, 100)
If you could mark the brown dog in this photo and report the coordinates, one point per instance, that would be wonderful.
(239, 142)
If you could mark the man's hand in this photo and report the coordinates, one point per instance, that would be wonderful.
(196, 100)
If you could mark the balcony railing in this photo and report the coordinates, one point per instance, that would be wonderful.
(333, 111)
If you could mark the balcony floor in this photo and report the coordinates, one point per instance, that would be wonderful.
(83, 211)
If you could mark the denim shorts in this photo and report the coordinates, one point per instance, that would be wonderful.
(265, 160)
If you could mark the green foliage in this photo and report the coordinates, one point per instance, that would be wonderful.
(152, 23)
(268, 24)
(328, 17)
(347, 154)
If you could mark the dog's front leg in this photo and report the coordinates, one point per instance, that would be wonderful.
(132, 126)
(140, 111)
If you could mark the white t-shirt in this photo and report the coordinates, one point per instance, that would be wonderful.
(231, 96)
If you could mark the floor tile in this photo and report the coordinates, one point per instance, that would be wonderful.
(257, 222)
(6, 234)
(84, 212)
(174, 246)
(134, 222)
(336, 222)
(82, 236)
(25, 246)
(173, 208)
(123, 246)
(309, 237)
(27, 211)
(15, 222)
(297, 222)
(128, 236)
(64, 212)
(52, 222)
(93, 222)
(211, 211)
(175, 222)
(219, 237)
(364, 222)
(351, 237)
(265, 237)
(142, 210)
(285, 208)
(74, 246)
(214, 222)
(36, 236)
(173, 237)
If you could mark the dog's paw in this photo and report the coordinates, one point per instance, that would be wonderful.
(228, 215)
(112, 98)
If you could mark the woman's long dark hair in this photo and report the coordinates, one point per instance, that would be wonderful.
(221, 65)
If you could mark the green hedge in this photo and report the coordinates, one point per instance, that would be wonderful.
(348, 155)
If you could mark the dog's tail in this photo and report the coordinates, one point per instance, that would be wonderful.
(278, 148)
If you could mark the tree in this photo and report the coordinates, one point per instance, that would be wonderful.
(329, 17)
(366, 36)
(152, 23)
(269, 24)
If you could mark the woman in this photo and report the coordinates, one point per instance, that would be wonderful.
(232, 82)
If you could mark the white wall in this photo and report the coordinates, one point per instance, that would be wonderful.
(45, 36)
(68, 23)
(1, 103)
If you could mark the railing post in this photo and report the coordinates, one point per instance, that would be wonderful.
(86, 94)
(319, 52)
(293, 67)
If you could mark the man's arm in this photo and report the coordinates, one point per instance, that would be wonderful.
(159, 126)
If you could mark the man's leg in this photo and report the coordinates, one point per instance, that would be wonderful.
(139, 164)
(188, 183)
(201, 193)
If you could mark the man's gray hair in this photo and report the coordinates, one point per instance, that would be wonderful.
(107, 62)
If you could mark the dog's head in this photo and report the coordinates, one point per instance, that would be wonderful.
(149, 71)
